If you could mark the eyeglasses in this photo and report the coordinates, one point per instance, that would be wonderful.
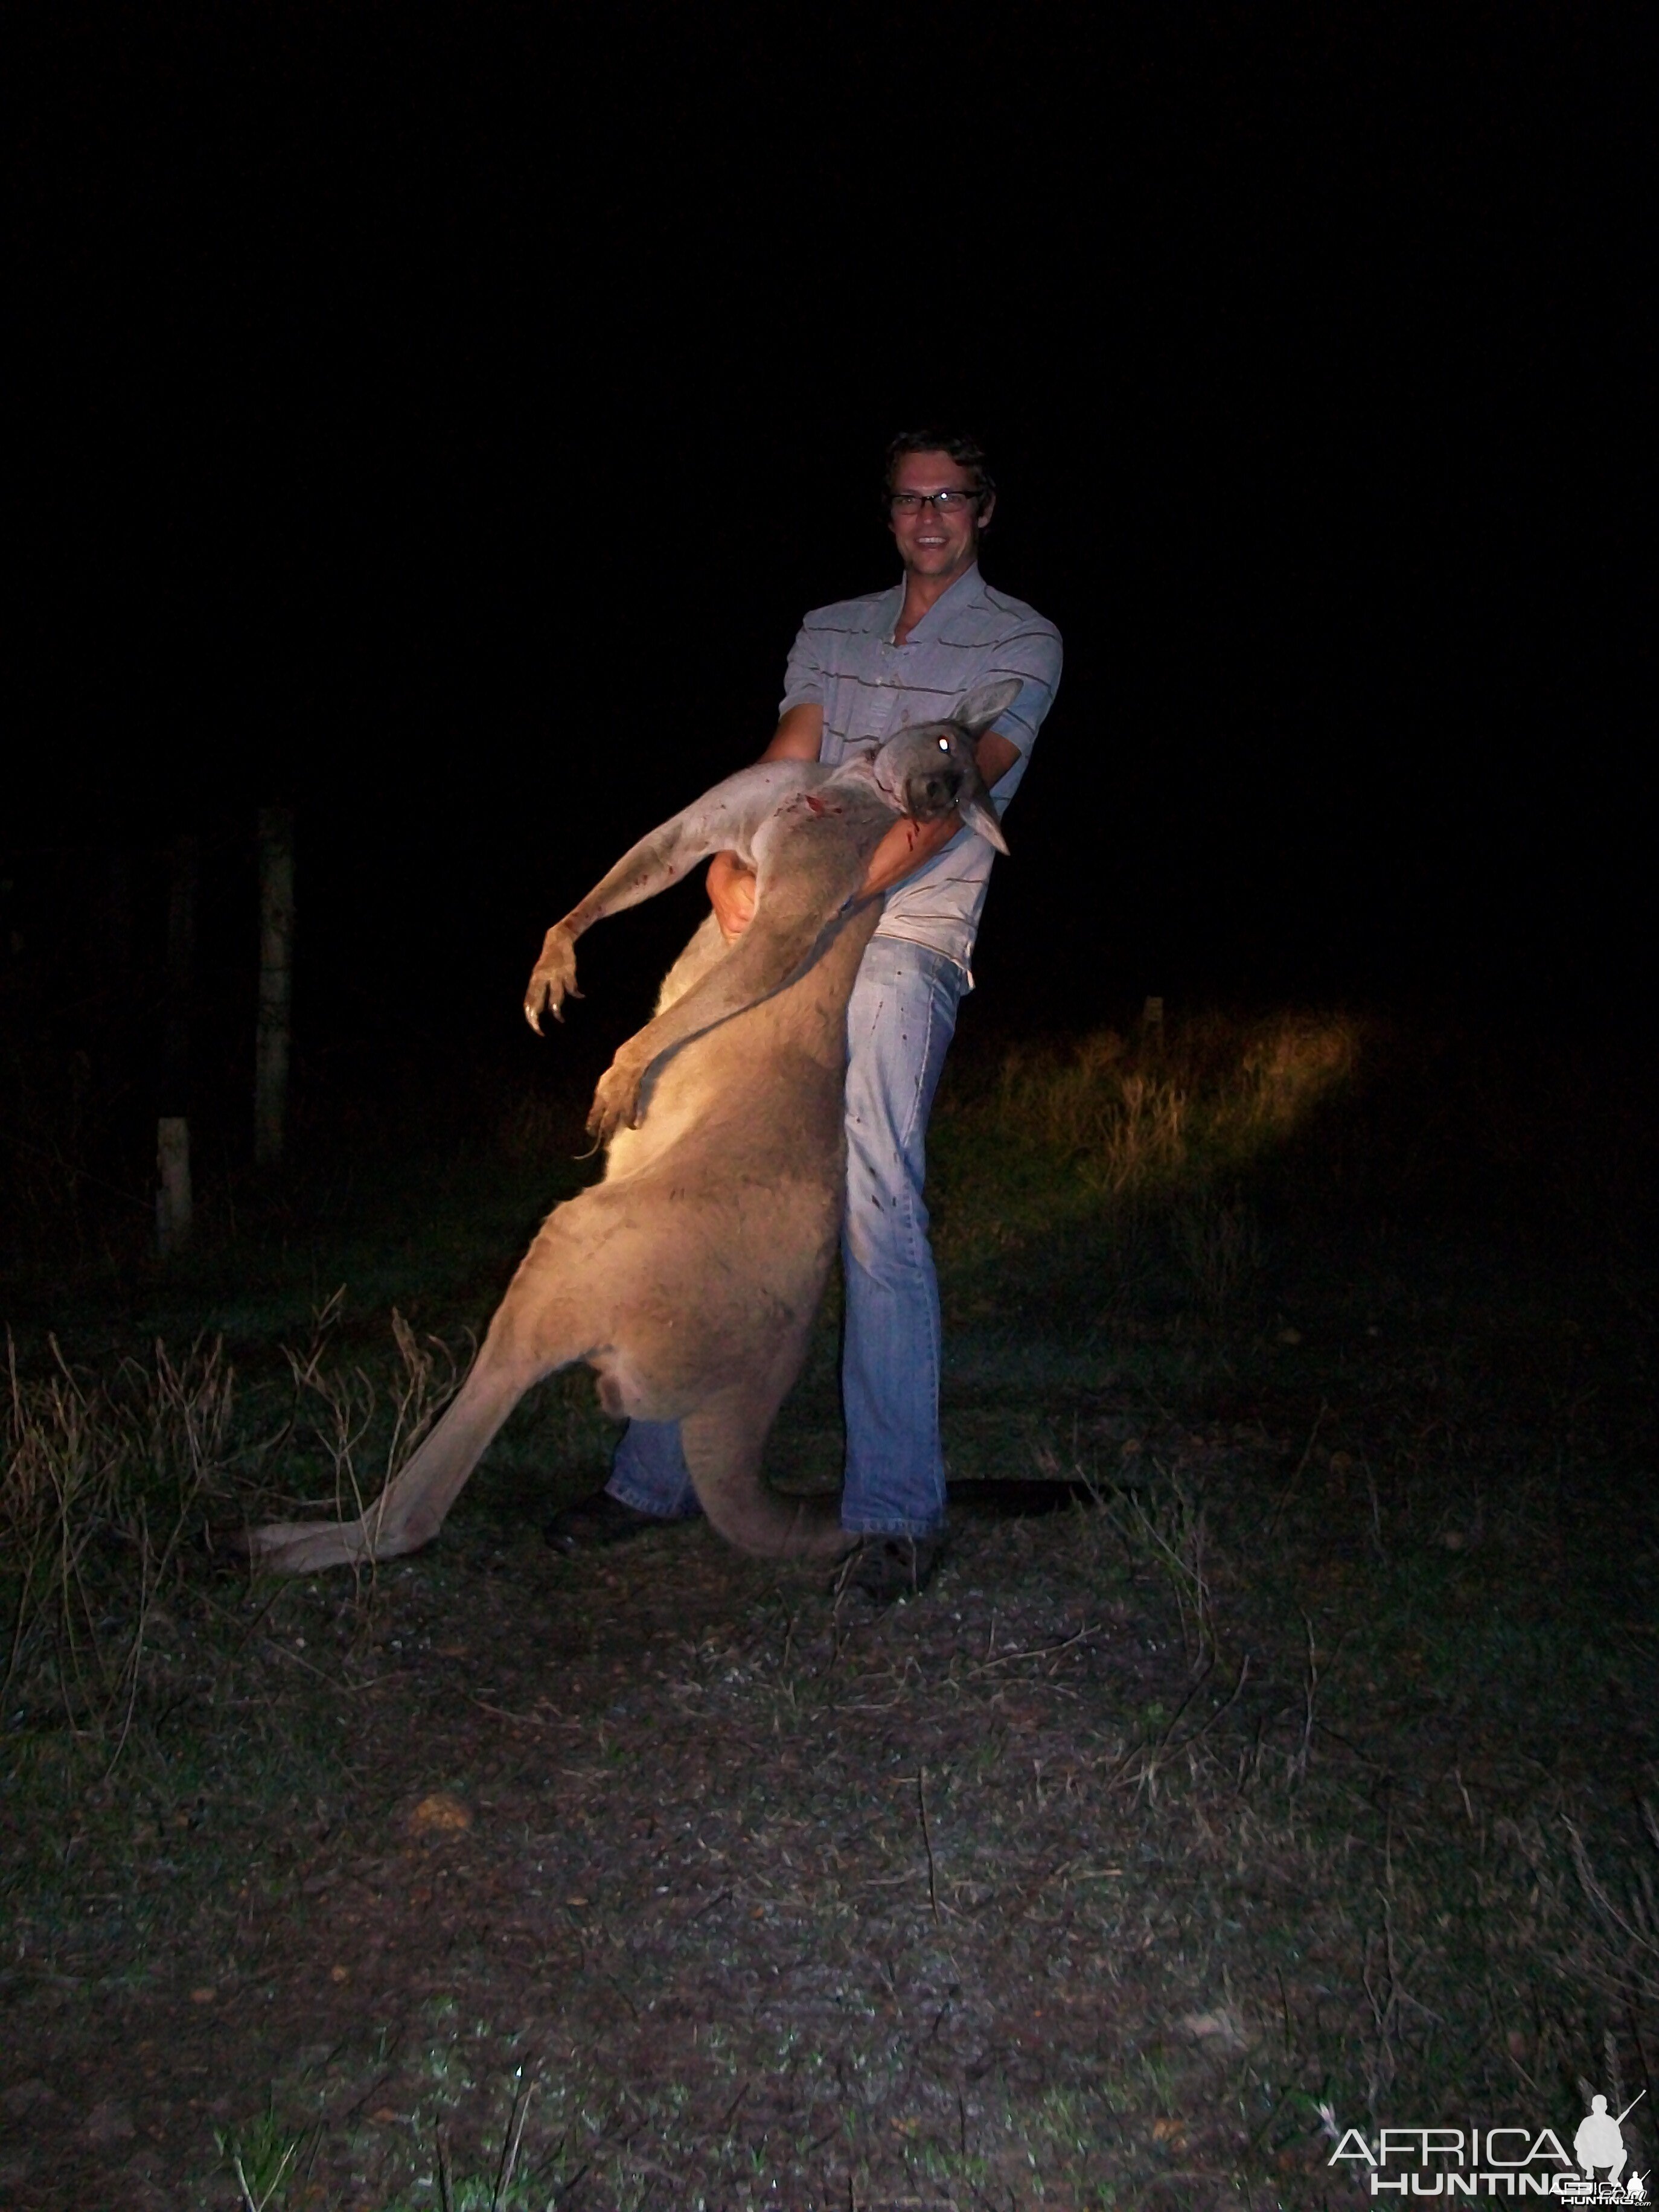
(944, 502)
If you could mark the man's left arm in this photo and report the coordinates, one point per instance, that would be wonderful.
(1034, 657)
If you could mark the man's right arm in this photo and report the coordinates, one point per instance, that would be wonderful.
(731, 885)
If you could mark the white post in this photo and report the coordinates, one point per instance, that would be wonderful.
(276, 981)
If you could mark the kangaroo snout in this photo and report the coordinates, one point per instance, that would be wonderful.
(928, 796)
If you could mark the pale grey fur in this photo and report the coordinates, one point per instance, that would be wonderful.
(689, 1276)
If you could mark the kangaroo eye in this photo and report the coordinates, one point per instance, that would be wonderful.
(944, 744)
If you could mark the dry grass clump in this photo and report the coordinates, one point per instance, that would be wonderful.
(102, 1486)
(1615, 1919)
(339, 1409)
(1207, 1096)
(106, 1485)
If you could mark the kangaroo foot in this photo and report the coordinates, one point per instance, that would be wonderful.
(615, 1102)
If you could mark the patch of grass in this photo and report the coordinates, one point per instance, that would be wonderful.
(264, 2158)
(1176, 1108)
(101, 1487)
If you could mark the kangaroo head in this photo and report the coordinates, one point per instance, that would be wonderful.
(929, 771)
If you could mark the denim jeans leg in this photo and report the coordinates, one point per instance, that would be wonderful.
(648, 1472)
(899, 1025)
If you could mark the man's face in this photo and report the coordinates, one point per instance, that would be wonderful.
(933, 542)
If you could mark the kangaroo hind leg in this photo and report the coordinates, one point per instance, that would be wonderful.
(532, 1334)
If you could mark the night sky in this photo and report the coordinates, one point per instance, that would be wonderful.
(439, 418)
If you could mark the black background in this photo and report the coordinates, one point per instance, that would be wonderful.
(439, 418)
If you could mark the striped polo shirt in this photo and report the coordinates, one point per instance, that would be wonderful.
(845, 661)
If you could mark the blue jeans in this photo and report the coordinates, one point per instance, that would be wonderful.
(899, 1024)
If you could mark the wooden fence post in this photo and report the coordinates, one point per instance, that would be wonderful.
(173, 1209)
(276, 982)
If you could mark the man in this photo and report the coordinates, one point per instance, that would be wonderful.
(859, 671)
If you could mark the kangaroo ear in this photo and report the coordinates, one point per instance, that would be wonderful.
(981, 707)
(978, 813)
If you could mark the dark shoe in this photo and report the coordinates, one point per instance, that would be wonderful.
(889, 1567)
(595, 1522)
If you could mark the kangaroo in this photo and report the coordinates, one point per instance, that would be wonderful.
(689, 1276)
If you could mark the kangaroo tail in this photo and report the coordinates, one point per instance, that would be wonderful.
(723, 1442)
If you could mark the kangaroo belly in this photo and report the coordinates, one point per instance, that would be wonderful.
(697, 1288)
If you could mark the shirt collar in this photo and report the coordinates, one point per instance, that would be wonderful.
(968, 586)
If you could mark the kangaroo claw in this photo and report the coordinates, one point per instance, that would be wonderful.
(553, 978)
(616, 1103)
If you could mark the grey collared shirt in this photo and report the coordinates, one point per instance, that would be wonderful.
(845, 661)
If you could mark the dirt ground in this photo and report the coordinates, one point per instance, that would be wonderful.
(669, 1844)
(1293, 1783)
(687, 1882)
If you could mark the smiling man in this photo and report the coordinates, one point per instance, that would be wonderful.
(859, 671)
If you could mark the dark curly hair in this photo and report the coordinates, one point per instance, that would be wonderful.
(967, 454)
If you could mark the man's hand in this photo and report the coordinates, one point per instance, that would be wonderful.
(732, 894)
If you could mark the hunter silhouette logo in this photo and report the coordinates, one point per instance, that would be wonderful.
(1506, 2162)
(1600, 2142)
